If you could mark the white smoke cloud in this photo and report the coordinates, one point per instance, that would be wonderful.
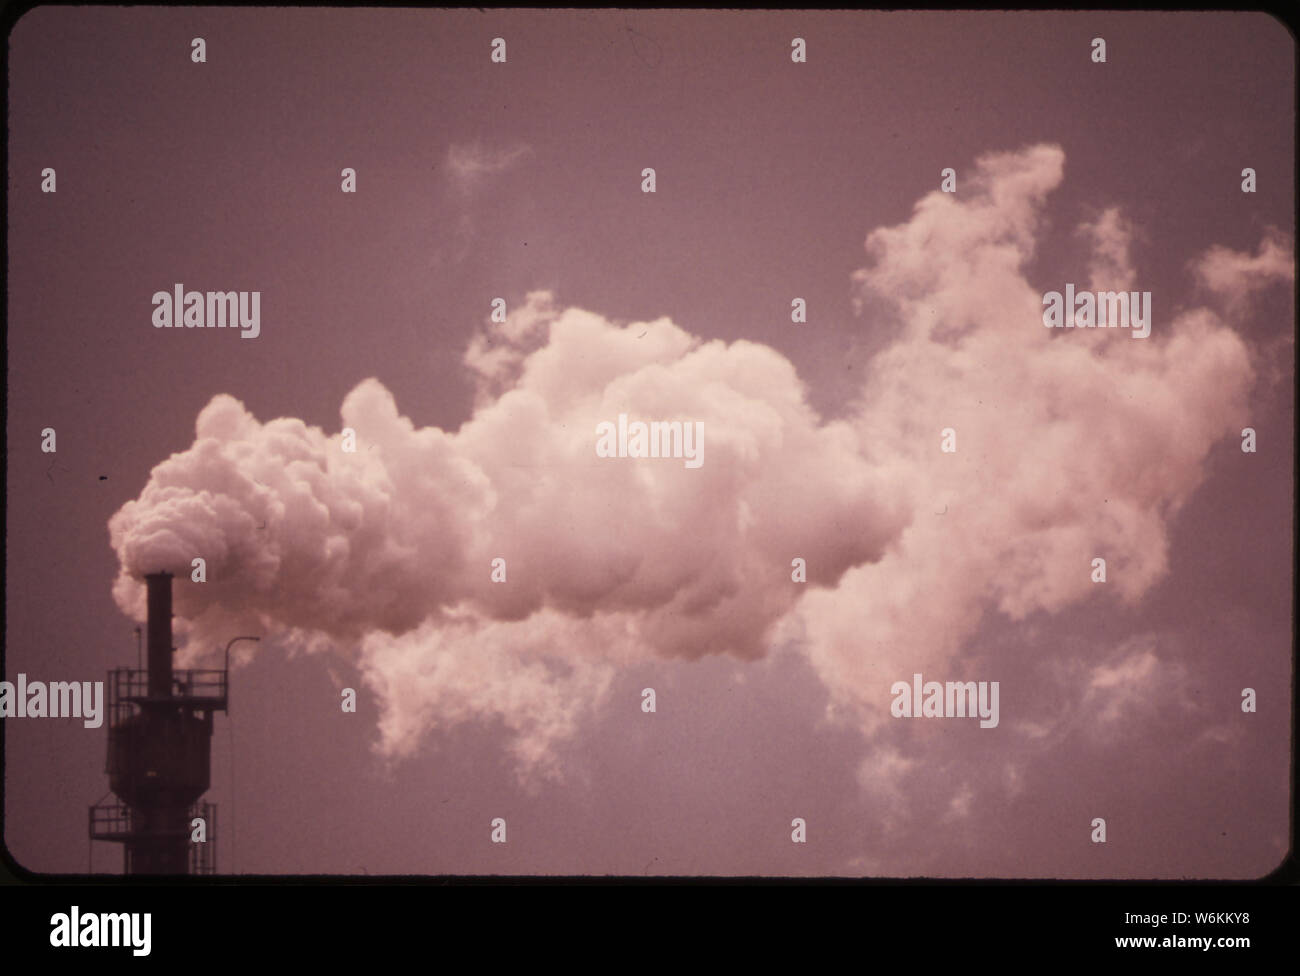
(524, 673)
(386, 553)
(1070, 445)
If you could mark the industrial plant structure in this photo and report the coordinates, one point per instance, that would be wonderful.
(159, 754)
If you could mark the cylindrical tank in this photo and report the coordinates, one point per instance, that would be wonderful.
(160, 757)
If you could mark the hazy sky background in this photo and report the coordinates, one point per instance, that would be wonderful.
(477, 180)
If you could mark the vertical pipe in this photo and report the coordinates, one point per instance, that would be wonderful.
(160, 633)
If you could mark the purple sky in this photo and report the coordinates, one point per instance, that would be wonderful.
(476, 439)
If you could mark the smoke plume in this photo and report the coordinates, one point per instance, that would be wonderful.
(1071, 444)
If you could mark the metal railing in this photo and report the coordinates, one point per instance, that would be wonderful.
(112, 821)
(198, 689)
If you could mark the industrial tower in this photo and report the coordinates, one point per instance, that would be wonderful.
(159, 754)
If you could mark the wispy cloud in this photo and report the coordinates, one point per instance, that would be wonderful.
(470, 164)
(1235, 275)
(467, 169)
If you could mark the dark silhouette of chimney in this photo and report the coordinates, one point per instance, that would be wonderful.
(159, 753)
(159, 586)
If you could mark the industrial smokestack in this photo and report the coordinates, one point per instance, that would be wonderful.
(160, 632)
(159, 751)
